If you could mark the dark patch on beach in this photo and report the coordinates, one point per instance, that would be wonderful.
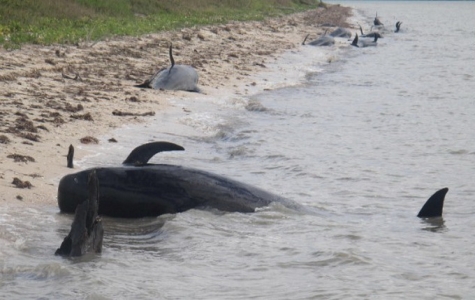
(4, 139)
(21, 184)
(21, 158)
(133, 99)
(29, 136)
(89, 140)
(128, 114)
(23, 124)
(85, 117)
(73, 109)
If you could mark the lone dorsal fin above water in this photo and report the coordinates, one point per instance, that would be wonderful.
(355, 41)
(434, 206)
(143, 153)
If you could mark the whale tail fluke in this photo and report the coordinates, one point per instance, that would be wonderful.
(434, 205)
(355, 41)
(398, 26)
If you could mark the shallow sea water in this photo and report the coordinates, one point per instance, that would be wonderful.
(364, 140)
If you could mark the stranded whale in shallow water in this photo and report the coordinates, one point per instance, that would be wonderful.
(176, 77)
(324, 40)
(341, 32)
(139, 189)
(362, 43)
(371, 34)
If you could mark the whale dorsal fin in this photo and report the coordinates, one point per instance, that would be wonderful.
(172, 61)
(355, 41)
(434, 206)
(143, 153)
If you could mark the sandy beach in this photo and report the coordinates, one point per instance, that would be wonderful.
(54, 96)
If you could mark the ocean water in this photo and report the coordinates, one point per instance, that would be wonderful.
(365, 140)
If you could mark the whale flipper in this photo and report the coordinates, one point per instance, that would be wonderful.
(434, 206)
(142, 154)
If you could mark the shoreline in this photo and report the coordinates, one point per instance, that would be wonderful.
(52, 96)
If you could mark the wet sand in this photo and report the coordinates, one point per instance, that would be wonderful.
(55, 96)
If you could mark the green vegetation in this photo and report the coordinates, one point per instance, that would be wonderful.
(72, 21)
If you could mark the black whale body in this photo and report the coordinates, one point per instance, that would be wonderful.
(138, 189)
(141, 189)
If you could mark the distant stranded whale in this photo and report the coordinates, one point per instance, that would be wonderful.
(362, 43)
(139, 189)
(371, 34)
(341, 32)
(176, 77)
(377, 23)
(324, 40)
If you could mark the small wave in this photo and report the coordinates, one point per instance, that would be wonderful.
(458, 152)
(142, 234)
(40, 272)
(240, 151)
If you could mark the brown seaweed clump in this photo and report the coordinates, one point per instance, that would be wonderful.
(89, 140)
(21, 184)
(130, 114)
(4, 139)
(21, 158)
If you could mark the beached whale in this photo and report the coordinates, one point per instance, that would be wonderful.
(362, 43)
(175, 77)
(371, 34)
(341, 32)
(139, 189)
(377, 23)
(324, 40)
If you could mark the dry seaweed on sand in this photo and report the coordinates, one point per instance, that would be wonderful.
(17, 182)
(89, 140)
(21, 158)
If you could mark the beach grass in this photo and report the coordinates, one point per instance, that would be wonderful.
(72, 21)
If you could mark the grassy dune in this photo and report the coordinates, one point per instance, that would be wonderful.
(72, 21)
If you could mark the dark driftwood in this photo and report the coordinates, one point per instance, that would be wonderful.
(70, 156)
(86, 231)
